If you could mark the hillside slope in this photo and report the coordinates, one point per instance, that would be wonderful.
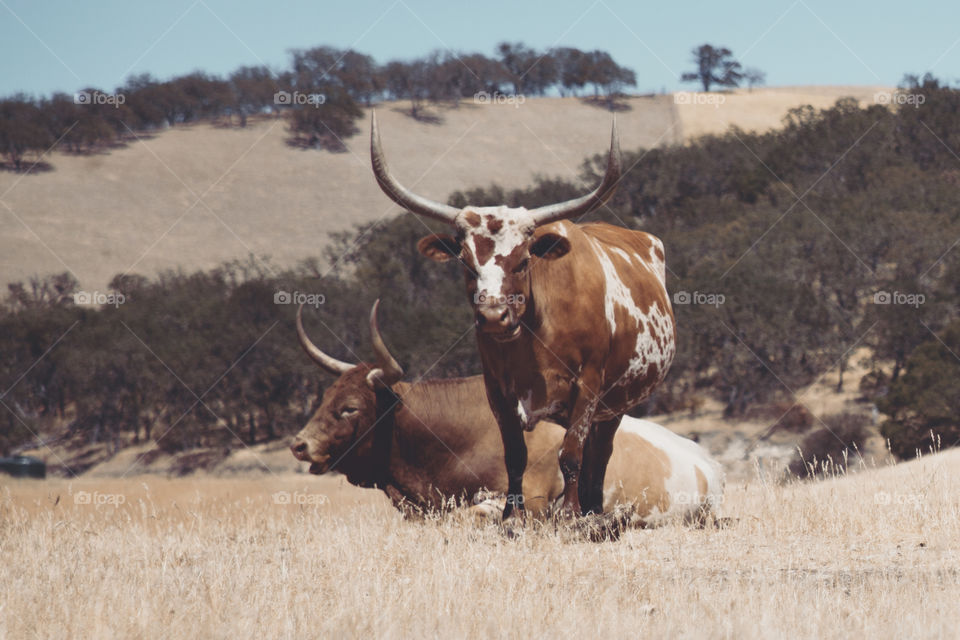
(193, 197)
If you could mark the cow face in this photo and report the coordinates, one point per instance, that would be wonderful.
(495, 245)
(347, 412)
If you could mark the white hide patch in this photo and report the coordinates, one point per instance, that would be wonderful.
(530, 415)
(517, 224)
(522, 413)
(686, 456)
(656, 323)
(655, 264)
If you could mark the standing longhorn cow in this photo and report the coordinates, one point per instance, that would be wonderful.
(573, 321)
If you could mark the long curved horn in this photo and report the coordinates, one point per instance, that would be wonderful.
(388, 370)
(594, 199)
(327, 363)
(396, 191)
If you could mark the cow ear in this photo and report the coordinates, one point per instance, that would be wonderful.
(550, 246)
(439, 247)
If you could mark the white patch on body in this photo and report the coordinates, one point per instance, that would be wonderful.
(685, 456)
(531, 415)
(623, 254)
(653, 262)
(647, 327)
(522, 413)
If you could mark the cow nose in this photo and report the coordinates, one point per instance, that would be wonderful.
(299, 448)
(497, 317)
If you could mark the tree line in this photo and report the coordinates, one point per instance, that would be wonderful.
(322, 90)
(786, 251)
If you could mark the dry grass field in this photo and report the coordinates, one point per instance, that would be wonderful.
(193, 197)
(868, 555)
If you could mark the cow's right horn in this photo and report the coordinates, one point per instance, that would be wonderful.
(388, 369)
(598, 197)
(396, 191)
(327, 363)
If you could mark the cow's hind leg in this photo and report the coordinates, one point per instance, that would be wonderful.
(585, 484)
(596, 457)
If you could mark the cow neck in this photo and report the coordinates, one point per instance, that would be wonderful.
(382, 443)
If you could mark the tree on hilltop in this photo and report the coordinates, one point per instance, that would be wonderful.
(715, 66)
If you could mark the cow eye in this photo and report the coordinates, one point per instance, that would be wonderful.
(522, 266)
(346, 412)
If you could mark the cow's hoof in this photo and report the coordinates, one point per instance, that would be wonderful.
(602, 527)
(513, 527)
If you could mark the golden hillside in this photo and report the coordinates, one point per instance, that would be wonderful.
(193, 197)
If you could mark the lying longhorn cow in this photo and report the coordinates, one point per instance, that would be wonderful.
(573, 320)
(433, 442)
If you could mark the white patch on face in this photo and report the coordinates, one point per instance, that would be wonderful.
(515, 231)
(657, 323)
(685, 456)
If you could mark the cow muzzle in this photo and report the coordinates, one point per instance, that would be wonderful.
(302, 451)
(498, 321)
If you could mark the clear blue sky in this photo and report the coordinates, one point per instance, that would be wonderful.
(48, 45)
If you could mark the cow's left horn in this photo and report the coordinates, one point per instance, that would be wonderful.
(327, 363)
(388, 370)
(596, 198)
(396, 191)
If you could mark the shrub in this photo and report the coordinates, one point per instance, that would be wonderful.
(827, 450)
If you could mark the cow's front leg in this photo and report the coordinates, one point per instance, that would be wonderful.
(515, 457)
(571, 453)
(514, 447)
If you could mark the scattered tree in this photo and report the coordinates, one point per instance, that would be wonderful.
(715, 66)
(754, 77)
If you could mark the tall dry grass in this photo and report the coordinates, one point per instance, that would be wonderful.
(874, 554)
